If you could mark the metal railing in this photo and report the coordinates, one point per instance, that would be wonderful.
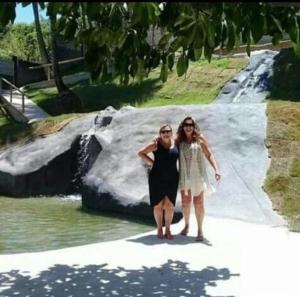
(49, 65)
(11, 87)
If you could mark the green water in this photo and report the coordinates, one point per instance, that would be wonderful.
(39, 224)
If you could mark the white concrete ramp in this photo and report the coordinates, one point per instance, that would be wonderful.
(32, 111)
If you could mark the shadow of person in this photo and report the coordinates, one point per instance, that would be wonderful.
(173, 278)
(152, 239)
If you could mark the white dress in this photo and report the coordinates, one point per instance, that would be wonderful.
(192, 170)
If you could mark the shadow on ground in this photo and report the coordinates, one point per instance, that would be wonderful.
(173, 278)
(96, 97)
(285, 84)
(152, 239)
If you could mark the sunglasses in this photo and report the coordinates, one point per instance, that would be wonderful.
(188, 125)
(165, 131)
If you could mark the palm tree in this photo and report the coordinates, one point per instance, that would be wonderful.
(41, 43)
(69, 100)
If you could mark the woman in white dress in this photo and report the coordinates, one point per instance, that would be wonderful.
(193, 179)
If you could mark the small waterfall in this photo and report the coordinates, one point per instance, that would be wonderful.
(89, 148)
(83, 156)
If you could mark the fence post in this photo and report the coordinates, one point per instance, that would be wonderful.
(48, 73)
(23, 104)
(10, 93)
(16, 70)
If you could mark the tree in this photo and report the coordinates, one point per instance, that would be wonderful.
(70, 101)
(115, 34)
(41, 43)
(20, 40)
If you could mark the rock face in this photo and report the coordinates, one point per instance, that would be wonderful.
(45, 166)
(236, 133)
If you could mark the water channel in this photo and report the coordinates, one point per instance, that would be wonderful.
(46, 223)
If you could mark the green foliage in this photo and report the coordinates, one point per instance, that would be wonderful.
(115, 34)
(20, 40)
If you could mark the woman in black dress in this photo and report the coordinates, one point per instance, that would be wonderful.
(163, 178)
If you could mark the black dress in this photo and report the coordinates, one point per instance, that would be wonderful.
(164, 176)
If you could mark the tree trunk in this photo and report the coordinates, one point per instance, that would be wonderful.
(69, 100)
(39, 34)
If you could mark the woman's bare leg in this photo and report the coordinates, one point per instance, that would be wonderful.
(199, 211)
(169, 213)
(186, 210)
(158, 215)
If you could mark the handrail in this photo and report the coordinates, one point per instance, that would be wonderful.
(12, 86)
(12, 110)
(60, 62)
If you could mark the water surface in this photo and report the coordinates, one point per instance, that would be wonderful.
(46, 223)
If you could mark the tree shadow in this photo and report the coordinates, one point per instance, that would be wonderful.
(152, 239)
(11, 132)
(286, 71)
(173, 278)
(99, 96)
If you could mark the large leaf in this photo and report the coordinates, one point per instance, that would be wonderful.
(181, 66)
(208, 52)
(133, 68)
(199, 37)
(277, 23)
(164, 40)
(197, 53)
(257, 28)
(296, 47)
(210, 34)
(176, 43)
(140, 71)
(293, 29)
(164, 72)
(171, 58)
(70, 29)
(7, 13)
(231, 35)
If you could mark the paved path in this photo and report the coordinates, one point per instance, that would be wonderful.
(32, 111)
(238, 259)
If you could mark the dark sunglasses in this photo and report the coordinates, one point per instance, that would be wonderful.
(188, 125)
(165, 131)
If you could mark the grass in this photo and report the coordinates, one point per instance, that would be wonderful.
(283, 139)
(12, 132)
(200, 86)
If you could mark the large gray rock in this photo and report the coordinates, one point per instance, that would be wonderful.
(236, 133)
(45, 166)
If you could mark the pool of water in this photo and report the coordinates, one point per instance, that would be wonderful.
(46, 223)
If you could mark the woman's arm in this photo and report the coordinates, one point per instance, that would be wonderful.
(143, 153)
(209, 156)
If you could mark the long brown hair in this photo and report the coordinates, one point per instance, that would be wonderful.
(181, 136)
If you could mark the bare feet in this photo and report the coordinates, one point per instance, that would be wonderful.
(200, 236)
(160, 234)
(185, 230)
(168, 234)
